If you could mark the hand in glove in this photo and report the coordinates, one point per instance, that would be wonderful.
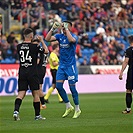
(65, 25)
(55, 26)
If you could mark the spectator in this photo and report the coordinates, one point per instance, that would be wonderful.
(90, 14)
(85, 43)
(32, 3)
(84, 63)
(10, 37)
(34, 26)
(72, 14)
(100, 29)
(97, 71)
(25, 26)
(78, 51)
(1, 55)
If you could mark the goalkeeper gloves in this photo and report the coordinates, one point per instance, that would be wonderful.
(65, 25)
(55, 26)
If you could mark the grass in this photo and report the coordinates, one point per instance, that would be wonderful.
(101, 113)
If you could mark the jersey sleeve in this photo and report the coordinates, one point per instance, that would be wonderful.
(57, 36)
(39, 56)
(40, 49)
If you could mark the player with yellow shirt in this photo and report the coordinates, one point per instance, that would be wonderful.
(54, 63)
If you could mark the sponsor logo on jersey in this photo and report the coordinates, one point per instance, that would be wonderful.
(71, 77)
(24, 47)
(26, 64)
(64, 45)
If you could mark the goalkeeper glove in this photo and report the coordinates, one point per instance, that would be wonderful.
(55, 26)
(65, 25)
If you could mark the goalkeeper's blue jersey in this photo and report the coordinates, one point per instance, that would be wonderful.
(67, 50)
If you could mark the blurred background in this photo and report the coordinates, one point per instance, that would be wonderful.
(103, 27)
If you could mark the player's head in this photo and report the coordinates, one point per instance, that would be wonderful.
(69, 22)
(28, 34)
(55, 47)
(35, 40)
(130, 39)
(69, 25)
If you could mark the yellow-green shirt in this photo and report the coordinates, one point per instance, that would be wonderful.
(53, 58)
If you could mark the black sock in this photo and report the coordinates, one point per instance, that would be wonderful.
(128, 100)
(17, 104)
(36, 108)
(42, 100)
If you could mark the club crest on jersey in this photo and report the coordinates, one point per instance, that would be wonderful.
(64, 41)
(41, 49)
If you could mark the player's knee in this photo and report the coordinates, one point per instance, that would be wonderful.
(73, 89)
(59, 85)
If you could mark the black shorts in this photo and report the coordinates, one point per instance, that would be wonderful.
(129, 80)
(28, 79)
(53, 73)
(41, 73)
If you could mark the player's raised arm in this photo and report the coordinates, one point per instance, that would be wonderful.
(40, 38)
(49, 36)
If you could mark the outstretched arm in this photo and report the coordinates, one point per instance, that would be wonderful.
(49, 36)
(40, 38)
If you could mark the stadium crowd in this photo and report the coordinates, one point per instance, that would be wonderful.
(103, 27)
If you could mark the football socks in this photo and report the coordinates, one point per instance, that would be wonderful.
(128, 100)
(36, 108)
(18, 102)
(74, 94)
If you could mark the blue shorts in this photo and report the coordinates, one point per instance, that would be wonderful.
(67, 73)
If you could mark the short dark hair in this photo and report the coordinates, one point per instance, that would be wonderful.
(67, 21)
(130, 38)
(12, 32)
(27, 31)
(35, 40)
(55, 46)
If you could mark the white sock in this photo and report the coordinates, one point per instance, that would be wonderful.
(128, 109)
(77, 107)
(68, 105)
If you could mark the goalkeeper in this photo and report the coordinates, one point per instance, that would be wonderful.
(67, 69)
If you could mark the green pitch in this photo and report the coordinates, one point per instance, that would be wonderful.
(101, 113)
